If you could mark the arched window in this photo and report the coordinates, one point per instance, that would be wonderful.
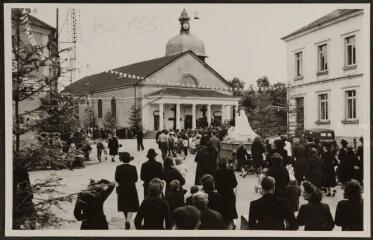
(99, 108)
(113, 107)
(189, 80)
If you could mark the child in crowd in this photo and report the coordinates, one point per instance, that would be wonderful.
(293, 193)
(260, 176)
(189, 200)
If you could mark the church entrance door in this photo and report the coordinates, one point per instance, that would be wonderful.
(188, 121)
(156, 120)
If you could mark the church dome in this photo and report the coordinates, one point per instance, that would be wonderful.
(185, 41)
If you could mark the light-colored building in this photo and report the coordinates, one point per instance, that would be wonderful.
(327, 75)
(35, 34)
(179, 90)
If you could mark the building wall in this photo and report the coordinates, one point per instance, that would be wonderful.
(335, 83)
(187, 64)
(124, 100)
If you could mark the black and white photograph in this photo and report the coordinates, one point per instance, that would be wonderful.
(182, 119)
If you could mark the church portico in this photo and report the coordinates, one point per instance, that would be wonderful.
(187, 113)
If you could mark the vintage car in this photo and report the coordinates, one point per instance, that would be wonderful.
(324, 135)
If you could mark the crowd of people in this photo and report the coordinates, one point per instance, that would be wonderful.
(318, 167)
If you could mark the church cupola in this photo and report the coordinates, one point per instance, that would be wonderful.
(185, 41)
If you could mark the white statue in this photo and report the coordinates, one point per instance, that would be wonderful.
(242, 131)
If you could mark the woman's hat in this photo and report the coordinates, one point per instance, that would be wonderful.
(344, 142)
(151, 153)
(125, 157)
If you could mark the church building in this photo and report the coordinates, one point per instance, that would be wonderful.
(177, 91)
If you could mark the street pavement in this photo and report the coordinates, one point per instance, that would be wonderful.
(78, 179)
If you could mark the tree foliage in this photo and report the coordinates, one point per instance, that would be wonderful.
(110, 122)
(237, 85)
(89, 120)
(134, 118)
(60, 114)
(29, 84)
(266, 108)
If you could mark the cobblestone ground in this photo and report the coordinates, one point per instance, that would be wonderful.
(78, 179)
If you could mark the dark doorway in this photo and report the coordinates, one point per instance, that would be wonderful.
(300, 115)
(188, 121)
(156, 120)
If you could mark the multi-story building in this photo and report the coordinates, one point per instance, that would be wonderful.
(328, 76)
(39, 37)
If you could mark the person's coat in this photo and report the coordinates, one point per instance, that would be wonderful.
(205, 163)
(175, 199)
(328, 172)
(347, 162)
(172, 174)
(154, 213)
(314, 171)
(349, 215)
(257, 150)
(89, 208)
(315, 217)
(113, 146)
(270, 213)
(282, 179)
(126, 177)
(300, 162)
(225, 182)
(211, 220)
(149, 170)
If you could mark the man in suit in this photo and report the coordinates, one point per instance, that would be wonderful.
(150, 169)
(270, 212)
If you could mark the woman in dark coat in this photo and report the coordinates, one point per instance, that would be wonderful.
(226, 182)
(154, 212)
(280, 174)
(299, 162)
(346, 163)
(204, 159)
(314, 215)
(315, 165)
(113, 146)
(349, 212)
(126, 177)
(89, 207)
(170, 173)
(242, 159)
(328, 172)
(257, 150)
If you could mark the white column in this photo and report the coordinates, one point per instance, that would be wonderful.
(178, 116)
(222, 113)
(208, 114)
(194, 124)
(161, 125)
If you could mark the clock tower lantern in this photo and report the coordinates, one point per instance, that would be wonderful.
(184, 22)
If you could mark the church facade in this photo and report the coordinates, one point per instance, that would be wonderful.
(177, 91)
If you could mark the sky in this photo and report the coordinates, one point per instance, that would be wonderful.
(241, 40)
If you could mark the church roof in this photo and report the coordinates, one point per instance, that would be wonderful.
(184, 92)
(105, 81)
(331, 16)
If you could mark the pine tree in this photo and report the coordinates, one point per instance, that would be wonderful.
(110, 122)
(134, 118)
